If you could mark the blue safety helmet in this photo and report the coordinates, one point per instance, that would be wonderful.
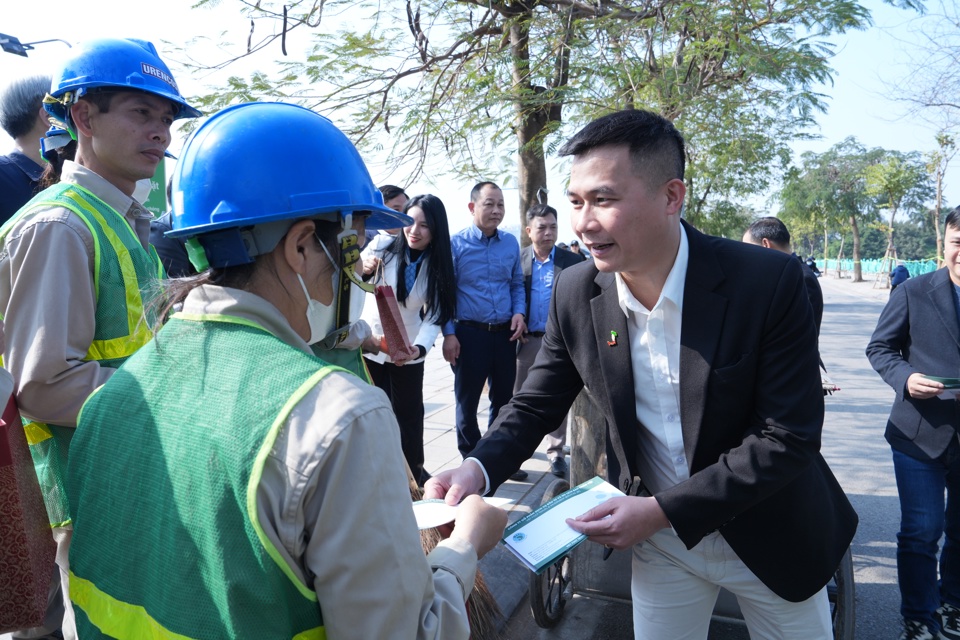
(112, 63)
(256, 164)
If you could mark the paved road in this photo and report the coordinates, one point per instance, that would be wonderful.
(853, 444)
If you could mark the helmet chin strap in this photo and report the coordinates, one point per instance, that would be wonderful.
(349, 243)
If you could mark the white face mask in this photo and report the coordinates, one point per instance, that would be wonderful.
(322, 318)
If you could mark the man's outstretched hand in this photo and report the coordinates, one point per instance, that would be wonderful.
(454, 485)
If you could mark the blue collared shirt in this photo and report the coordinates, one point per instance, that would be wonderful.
(489, 277)
(541, 285)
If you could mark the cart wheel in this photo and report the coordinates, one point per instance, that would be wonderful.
(550, 590)
(841, 592)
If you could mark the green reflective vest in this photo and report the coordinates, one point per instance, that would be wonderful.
(164, 472)
(124, 276)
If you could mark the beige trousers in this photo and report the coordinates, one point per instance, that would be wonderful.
(675, 589)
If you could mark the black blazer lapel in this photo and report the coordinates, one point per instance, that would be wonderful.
(941, 296)
(700, 331)
(616, 367)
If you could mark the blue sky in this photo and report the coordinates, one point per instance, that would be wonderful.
(859, 99)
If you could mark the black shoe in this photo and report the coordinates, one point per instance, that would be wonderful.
(558, 467)
(518, 475)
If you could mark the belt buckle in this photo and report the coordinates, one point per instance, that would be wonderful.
(491, 327)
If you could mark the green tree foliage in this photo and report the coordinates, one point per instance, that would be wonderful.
(914, 241)
(898, 181)
(937, 163)
(484, 88)
(829, 191)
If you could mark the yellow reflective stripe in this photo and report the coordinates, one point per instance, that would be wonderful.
(218, 317)
(124, 620)
(317, 633)
(122, 347)
(36, 432)
(114, 618)
(131, 284)
(257, 473)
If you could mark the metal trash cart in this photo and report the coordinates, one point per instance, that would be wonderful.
(584, 571)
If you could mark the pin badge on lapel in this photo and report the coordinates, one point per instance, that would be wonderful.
(612, 342)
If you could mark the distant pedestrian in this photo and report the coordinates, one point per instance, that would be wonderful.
(542, 263)
(898, 276)
(481, 346)
(772, 233)
(918, 335)
(23, 118)
(576, 248)
(395, 198)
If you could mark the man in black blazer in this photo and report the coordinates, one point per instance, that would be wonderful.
(542, 263)
(703, 361)
(770, 232)
(918, 335)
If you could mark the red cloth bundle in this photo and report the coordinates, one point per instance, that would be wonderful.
(394, 333)
(27, 549)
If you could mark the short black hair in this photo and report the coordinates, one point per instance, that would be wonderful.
(391, 191)
(19, 104)
(540, 211)
(656, 147)
(772, 229)
(953, 219)
(477, 188)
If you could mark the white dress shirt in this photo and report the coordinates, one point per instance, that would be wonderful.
(655, 355)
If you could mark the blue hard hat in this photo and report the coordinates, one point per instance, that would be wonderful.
(263, 162)
(113, 63)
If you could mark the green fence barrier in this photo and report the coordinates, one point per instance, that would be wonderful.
(915, 267)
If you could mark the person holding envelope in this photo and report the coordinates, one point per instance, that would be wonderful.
(918, 338)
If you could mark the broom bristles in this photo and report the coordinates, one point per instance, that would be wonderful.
(482, 609)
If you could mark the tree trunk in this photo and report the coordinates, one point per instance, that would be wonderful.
(532, 117)
(857, 272)
(531, 171)
(826, 247)
(843, 238)
(890, 256)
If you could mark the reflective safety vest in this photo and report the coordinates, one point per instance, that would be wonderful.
(125, 275)
(164, 476)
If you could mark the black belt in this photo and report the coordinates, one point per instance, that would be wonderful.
(485, 326)
(536, 334)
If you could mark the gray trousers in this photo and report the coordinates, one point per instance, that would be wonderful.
(526, 354)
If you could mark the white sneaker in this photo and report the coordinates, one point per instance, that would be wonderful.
(916, 630)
